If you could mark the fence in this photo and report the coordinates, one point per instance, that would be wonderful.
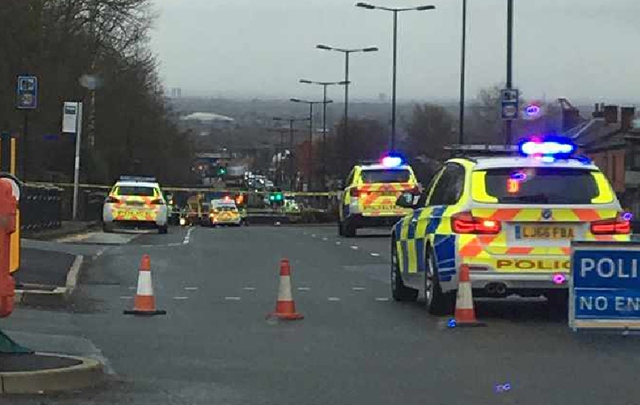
(40, 208)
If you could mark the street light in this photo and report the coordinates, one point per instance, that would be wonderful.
(395, 11)
(311, 104)
(291, 121)
(346, 52)
(324, 117)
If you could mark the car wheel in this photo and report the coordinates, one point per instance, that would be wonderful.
(399, 291)
(163, 229)
(348, 229)
(437, 302)
(340, 230)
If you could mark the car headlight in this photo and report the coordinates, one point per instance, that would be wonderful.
(183, 221)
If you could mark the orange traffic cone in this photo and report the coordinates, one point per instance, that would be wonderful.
(145, 303)
(285, 306)
(465, 314)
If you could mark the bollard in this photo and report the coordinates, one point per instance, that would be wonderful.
(8, 208)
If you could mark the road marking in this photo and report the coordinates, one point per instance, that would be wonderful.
(174, 244)
(187, 236)
(374, 254)
(333, 299)
(249, 288)
(232, 298)
(358, 288)
(304, 288)
(99, 253)
(133, 288)
(313, 235)
(191, 288)
(354, 247)
(126, 297)
(338, 243)
(325, 239)
(180, 298)
(382, 299)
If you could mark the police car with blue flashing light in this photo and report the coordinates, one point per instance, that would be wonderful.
(135, 202)
(369, 198)
(510, 218)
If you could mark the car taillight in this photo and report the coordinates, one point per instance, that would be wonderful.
(464, 222)
(111, 200)
(611, 226)
(356, 192)
(157, 201)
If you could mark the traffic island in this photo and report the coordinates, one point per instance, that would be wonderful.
(38, 373)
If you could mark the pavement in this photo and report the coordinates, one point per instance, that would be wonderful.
(355, 345)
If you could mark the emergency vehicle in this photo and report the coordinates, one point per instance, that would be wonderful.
(224, 212)
(369, 199)
(511, 219)
(135, 202)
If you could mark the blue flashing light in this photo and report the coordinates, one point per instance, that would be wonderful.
(547, 149)
(627, 216)
(392, 161)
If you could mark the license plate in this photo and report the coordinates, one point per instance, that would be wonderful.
(383, 208)
(544, 232)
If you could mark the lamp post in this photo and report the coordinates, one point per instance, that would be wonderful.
(324, 118)
(291, 121)
(346, 52)
(463, 47)
(311, 104)
(395, 11)
(509, 123)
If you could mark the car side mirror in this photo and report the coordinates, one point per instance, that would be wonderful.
(408, 200)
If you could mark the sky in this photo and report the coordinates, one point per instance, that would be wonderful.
(579, 49)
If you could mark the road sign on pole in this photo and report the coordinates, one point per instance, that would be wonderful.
(72, 123)
(604, 290)
(27, 93)
(509, 101)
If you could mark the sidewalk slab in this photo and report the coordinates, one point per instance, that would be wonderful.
(67, 228)
(43, 267)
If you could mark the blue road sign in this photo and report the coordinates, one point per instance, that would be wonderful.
(27, 93)
(605, 285)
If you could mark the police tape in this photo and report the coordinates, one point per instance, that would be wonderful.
(198, 190)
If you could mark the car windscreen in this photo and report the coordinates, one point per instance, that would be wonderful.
(139, 191)
(385, 176)
(541, 185)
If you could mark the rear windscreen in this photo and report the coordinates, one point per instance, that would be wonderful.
(135, 190)
(541, 186)
(385, 176)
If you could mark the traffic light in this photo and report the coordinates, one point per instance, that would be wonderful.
(222, 170)
(276, 197)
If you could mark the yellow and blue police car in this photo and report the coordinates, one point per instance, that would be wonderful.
(135, 202)
(224, 211)
(511, 219)
(369, 198)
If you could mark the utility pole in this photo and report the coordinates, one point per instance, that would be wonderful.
(462, 72)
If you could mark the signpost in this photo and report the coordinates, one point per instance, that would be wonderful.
(72, 123)
(26, 99)
(604, 291)
(509, 101)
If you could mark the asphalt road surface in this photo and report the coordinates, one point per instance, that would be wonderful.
(355, 345)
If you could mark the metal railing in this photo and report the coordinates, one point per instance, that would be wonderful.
(40, 208)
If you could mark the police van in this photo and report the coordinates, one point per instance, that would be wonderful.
(510, 218)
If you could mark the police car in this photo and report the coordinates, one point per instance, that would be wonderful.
(369, 199)
(224, 212)
(135, 202)
(511, 219)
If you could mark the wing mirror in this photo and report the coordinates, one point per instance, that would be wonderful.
(408, 200)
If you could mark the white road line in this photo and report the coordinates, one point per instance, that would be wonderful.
(374, 254)
(382, 299)
(232, 298)
(313, 235)
(304, 288)
(133, 288)
(191, 288)
(180, 298)
(185, 241)
(354, 247)
(358, 288)
(338, 243)
(333, 299)
(126, 297)
(174, 244)
(325, 239)
(249, 288)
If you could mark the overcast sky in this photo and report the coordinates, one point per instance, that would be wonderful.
(581, 49)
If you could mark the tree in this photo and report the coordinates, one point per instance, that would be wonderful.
(429, 131)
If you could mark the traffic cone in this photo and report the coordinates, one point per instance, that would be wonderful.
(285, 306)
(465, 314)
(145, 303)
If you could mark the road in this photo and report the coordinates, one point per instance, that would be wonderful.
(355, 345)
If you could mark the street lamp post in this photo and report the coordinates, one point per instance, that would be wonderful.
(346, 52)
(311, 104)
(291, 121)
(509, 83)
(324, 118)
(395, 11)
(463, 52)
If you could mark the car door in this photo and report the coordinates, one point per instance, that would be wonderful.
(345, 199)
(424, 225)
